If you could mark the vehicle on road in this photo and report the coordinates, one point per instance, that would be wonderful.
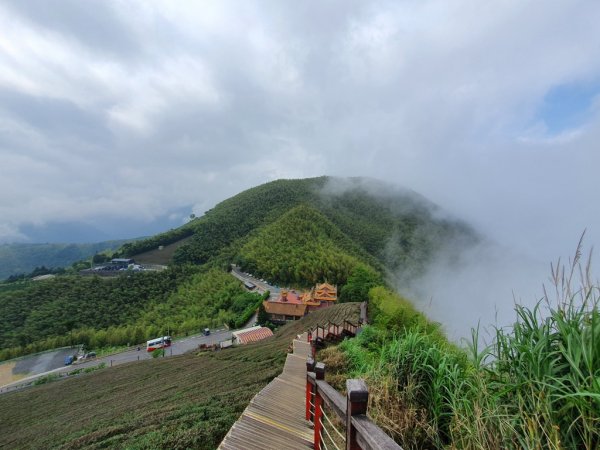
(206, 332)
(69, 360)
(161, 342)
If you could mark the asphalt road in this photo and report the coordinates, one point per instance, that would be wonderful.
(42, 362)
(178, 347)
(261, 286)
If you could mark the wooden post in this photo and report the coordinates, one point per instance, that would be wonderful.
(310, 389)
(319, 375)
(357, 401)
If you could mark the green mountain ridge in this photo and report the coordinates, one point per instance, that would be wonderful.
(533, 387)
(398, 227)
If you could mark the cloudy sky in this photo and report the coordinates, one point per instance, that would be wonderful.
(120, 116)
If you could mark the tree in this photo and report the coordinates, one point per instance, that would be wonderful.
(100, 258)
(360, 281)
(262, 318)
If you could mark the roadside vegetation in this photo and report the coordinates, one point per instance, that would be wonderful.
(535, 386)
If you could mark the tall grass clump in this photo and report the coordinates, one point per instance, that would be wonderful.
(544, 374)
(411, 369)
(535, 386)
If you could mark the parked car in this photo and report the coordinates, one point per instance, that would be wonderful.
(69, 360)
(90, 355)
(206, 332)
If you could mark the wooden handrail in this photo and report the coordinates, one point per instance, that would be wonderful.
(370, 437)
(333, 399)
(361, 432)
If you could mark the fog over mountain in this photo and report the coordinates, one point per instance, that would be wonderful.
(135, 112)
(480, 287)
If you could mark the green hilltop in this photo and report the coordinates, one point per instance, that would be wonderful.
(395, 226)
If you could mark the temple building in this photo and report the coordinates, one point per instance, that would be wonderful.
(321, 296)
(293, 306)
(287, 307)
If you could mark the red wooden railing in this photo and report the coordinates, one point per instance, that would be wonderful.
(320, 333)
(360, 432)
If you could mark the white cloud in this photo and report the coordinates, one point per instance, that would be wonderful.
(143, 108)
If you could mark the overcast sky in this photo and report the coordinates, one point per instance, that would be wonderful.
(115, 112)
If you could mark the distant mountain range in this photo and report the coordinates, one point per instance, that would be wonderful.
(24, 258)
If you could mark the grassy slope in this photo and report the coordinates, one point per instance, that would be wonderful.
(180, 402)
(163, 256)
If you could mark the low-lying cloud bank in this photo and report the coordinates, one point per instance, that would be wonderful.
(479, 286)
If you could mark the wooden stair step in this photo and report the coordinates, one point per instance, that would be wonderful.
(297, 432)
(246, 435)
(274, 418)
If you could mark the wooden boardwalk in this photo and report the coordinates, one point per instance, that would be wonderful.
(275, 417)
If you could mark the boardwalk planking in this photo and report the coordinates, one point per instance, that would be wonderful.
(274, 419)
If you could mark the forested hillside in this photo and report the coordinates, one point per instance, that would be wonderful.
(54, 312)
(302, 248)
(100, 312)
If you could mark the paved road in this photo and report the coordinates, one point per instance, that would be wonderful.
(261, 286)
(42, 362)
(177, 348)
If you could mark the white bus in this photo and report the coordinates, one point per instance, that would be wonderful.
(161, 342)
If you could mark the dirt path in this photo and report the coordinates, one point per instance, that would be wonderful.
(6, 373)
